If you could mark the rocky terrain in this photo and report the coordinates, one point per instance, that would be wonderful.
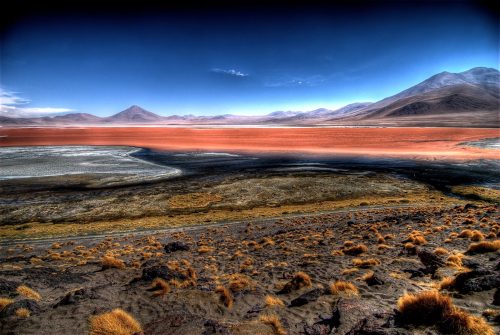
(338, 273)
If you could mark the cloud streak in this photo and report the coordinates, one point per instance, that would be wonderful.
(230, 72)
(13, 105)
(309, 81)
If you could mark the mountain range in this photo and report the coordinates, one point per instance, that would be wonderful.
(466, 99)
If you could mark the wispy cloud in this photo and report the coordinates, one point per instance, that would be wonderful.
(295, 81)
(13, 105)
(230, 72)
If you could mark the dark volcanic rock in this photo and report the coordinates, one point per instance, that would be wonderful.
(8, 287)
(214, 328)
(378, 324)
(476, 281)
(161, 271)
(347, 313)
(11, 309)
(184, 323)
(430, 260)
(307, 297)
(414, 273)
(75, 296)
(48, 276)
(376, 279)
(496, 297)
(176, 246)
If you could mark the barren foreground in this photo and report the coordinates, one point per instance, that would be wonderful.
(339, 273)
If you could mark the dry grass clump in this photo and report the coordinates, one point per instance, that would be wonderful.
(4, 302)
(205, 249)
(432, 308)
(272, 301)
(267, 241)
(160, 287)
(466, 233)
(225, 296)
(455, 261)
(337, 253)
(23, 313)
(299, 280)
(477, 236)
(447, 283)
(355, 250)
(349, 271)
(239, 282)
(348, 244)
(116, 322)
(29, 293)
(273, 321)
(425, 308)
(109, 262)
(441, 251)
(483, 247)
(365, 263)
(410, 248)
(343, 288)
(462, 323)
(417, 238)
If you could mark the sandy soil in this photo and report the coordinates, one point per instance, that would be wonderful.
(402, 142)
(255, 260)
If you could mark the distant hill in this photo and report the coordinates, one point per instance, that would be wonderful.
(134, 114)
(465, 99)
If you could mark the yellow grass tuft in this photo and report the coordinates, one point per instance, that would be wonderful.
(29, 293)
(441, 251)
(425, 308)
(466, 233)
(432, 308)
(160, 286)
(365, 263)
(272, 301)
(109, 262)
(23, 313)
(460, 322)
(356, 250)
(477, 236)
(484, 247)
(205, 249)
(116, 322)
(225, 296)
(273, 321)
(239, 282)
(455, 261)
(343, 288)
(446, 283)
(4, 302)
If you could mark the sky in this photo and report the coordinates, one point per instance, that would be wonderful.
(237, 60)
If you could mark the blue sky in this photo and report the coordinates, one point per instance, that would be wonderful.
(239, 62)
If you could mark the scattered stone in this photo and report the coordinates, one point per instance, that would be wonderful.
(496, 297)
(160, 271)
(11, 309)
(376, 279)
(176, 246)
(430, 260)
(378, 324)
(8, 287)
(75, 296)
(476, 281)
(307, 297)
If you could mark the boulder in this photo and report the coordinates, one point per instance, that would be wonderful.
(176, 246)
(307, 297)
